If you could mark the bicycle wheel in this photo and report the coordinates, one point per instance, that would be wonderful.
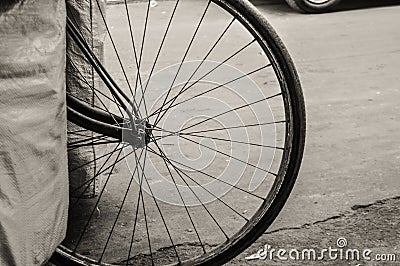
(198, 128)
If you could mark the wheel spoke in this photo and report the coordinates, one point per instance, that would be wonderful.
(94, 90)
(169, 133)
(134, 106)
(92, 161)
(178, 171)
(89, 181)
(230, 140)
(212, 89)
(208, 175)
(161, 109)
(121, 206)
(75, 32)
(220, 114)
(229, 156)
(231, 110)
(139, 199)
(93, 143)
(87, 139)
(159, 211)
(160, 48)
(212, 194)
(138, 77)
(165, 160)
(183, 59)
(97, 203)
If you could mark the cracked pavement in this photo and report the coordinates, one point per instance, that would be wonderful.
(375, 227)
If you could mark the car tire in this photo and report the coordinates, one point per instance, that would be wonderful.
(312, 6)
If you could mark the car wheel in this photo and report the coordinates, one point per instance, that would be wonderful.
(312, 6)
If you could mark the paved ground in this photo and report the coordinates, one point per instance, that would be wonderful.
(349, 63)
(373, 227)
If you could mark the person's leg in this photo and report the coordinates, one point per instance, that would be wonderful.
(33, 158)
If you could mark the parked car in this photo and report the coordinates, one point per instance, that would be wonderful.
(312, 6)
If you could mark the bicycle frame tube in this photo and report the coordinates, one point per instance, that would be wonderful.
(95, 125)
(93, 118)
(93, 113)
(99, 68)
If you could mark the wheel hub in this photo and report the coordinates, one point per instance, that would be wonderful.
(140, 133)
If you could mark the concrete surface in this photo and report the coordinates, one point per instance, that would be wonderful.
(367, 235)
(349, 62)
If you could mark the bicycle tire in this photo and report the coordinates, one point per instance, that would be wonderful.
(287, 170)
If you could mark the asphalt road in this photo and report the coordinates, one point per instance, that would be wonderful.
(348, 61)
